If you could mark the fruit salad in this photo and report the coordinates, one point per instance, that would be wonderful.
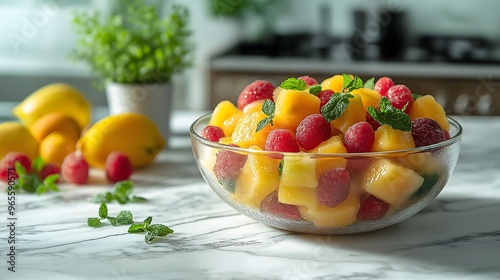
(335, 153)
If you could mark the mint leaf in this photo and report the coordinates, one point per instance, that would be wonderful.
(315, 90)
(147, 221)
(51, 179)
(391, 116)
(159, 230)
(37, 164)
(262, 123)
(20, 169)
(124, 187)
(103, 197)
(103, 211)
(41, 189)
(415, 96)
(112, 221)
(122, 192)
(137, 199)
(267, 108)
(136, 228)
(280, 167)
(370, 83)
(94, 222)
(347, 81)
(293, 84)
(336, 106)
(124, 218)
(351, 84)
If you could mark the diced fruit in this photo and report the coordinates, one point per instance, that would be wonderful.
(228, 165)
(427, 107)
(334, 145)
(324, 96)
(369, 119)
(372, 209)
(383, 84)
(423, 163)
(342, 215)
(257, 90)
(426, 131)
(222, 111)
(281, 140)
(333, 187)
(309, 80)
(299, 171)
(212, 133)
(300, 196)
(359, 138)
(369, 97)
(49, 169)
(293, 106)
(230, 123)
(245, 135)
(391, 182)
(75, 169)
(389, 139)
(400, 95)
(118, 167)
(334, 83)
(312, 130)
(355, 112)
(8, 164)
(255, 106)
(271, 205)
(258, 178)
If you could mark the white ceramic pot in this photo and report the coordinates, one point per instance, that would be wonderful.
(152, 100)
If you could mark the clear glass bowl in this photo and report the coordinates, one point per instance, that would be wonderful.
(407, 180)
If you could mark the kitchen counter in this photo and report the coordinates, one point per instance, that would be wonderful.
(455, 237)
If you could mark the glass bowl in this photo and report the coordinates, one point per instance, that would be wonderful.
(285, 190)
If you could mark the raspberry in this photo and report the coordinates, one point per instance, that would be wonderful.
(228, 165)
(8, 162)
(312, 130)
(324, 96)
(369, 119)
(49, 169)
(446, 135)
(400, 95)
(271, 205)
(426, 131)
(359, 138)
(372, 209)
(309, 80)
(259, 89)
(281, 140)
(118, 167)
(75, 169)
(383, 84)
(333, 187)
(212, 133)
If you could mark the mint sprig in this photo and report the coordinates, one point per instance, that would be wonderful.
(152, 231)
(351, 83)
(336, 106)
(267, 108)
(389, 115)
(30, 181)
(123, 218)
(293, 84)
(370, 83)
(122, 193)
(315, 89)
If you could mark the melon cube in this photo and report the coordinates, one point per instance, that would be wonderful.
(355, 112)
(341, 215)
(390, 139)
(299, 171)
(301, 196)
(259, 177)
(293, 106)
(391, 182)
(222, 111)
(334, 145)
(427, 107)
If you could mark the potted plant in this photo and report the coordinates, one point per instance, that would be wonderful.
(136, 52)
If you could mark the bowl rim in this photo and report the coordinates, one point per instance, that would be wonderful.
(448, 142)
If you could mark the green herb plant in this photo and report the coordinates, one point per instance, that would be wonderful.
(30, 182)
(136, 46)
(122, 193)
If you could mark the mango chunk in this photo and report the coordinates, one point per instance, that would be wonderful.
(293, 106)
(427, 107)
(229, 124)
(245, 135)
(334, 145)
(341, 215)
(390, 139)
(334, 83)
(301, 196)
(355, 112)
(222, 111)
(369, 97)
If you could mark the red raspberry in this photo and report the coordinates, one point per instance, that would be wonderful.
(212, 133)
(49, 169)
(333, 187)
(383, 84)
(259, 89)
(75, 168)
(446, 135)
(228, 165)
(281, 140)
(312, 130)
(400, 95)
(372, 209)
(369, 119)
(9, 161)
(118, 167)
(309, 80)
(359, 138)
(324, 96)
(271, 205)
(426, 131)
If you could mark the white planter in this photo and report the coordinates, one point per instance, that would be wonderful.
(152, 100)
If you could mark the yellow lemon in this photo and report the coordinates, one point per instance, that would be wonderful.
(56, 97)
(56, 146)
(52, 122)
(131, 133)
(14, 137)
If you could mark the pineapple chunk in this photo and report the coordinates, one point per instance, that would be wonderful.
(391, 182)
(355, 112)
(333, 145)
(293, 106)
(301, 196)
(299, 171)
(341, 215)
(245, 135)
(229, 124)
(427, 107)
(334, 83)
(390, 139)
(423, 163)
(258, 178)
(368, 96)
(222, 111)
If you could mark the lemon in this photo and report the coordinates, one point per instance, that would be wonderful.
(131, 133)
(14, 137)
(57, 97)
(56, 146)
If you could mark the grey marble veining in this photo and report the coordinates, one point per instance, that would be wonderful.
(455, 237)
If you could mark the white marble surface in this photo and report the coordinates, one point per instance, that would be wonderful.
(456, 237)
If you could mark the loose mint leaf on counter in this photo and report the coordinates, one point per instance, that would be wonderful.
(147, 221)
(37, 164)
(30, 181)
(94, 222)
(156, 230)
(124, 218)
(122, 193)
(315, 90)
(293, 84)
(391, 116)
(370, 83)
(336, 106)
(267, 108)
(103, 197)
(136, 228)
(112, 221)
(103, 211)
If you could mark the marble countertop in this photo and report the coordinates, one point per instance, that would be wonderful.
(456, 237)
